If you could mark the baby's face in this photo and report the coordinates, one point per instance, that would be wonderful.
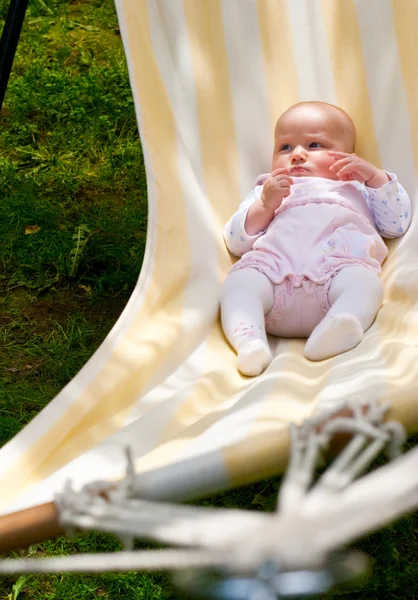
(304, 135)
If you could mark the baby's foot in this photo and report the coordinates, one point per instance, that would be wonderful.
(333, 336)
(254, 357)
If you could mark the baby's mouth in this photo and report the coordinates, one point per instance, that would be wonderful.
(299, 169)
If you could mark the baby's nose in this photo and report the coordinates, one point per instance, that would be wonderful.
(298, 154)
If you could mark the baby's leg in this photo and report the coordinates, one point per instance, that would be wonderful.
(247, 295)
(355, 296)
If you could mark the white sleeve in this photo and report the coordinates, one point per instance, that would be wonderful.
(391, 208)
(236, 238)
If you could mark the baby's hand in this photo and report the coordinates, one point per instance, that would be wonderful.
(350, 167)
(276, 188)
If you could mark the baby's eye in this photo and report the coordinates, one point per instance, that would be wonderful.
(314, 145)
(285, 148)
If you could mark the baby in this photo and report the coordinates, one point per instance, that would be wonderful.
(309, 235)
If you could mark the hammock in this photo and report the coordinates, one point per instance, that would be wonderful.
(209, 78)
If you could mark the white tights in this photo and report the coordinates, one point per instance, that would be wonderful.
(355, 296)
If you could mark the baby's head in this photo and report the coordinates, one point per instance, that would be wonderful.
(304, 135)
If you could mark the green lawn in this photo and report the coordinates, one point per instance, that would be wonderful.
(72, 237)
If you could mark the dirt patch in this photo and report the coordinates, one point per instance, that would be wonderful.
(28, 319)
(57, 306)
(87, 195)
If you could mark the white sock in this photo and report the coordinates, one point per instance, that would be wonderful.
(355, 296)
(254, 357)
(333, 336)
(247, 295)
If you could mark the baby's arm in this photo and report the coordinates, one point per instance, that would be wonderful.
(391, 208)
(257, 212)
(237, 239)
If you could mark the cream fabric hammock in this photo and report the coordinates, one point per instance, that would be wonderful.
(209, 79)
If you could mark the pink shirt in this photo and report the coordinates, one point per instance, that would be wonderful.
(321, 227)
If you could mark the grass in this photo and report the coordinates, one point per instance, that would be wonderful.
(72, 238)
(70, 157)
